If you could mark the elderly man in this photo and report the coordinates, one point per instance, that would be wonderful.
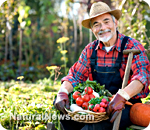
(103, 61)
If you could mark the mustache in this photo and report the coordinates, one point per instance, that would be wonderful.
(107, 30)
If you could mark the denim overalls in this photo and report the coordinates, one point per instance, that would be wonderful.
(108, 76)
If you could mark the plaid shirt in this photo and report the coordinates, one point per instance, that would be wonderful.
(81, 70)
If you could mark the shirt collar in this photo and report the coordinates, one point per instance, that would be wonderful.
(117, 44)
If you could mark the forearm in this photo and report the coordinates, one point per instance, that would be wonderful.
(134, 88)
(67, 85)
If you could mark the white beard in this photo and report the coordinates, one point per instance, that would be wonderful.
(105, 39)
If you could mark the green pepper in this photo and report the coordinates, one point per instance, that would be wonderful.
(91, 82)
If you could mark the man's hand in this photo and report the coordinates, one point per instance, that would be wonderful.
(62, 101)
(115, 106)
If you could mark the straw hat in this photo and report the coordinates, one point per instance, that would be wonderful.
(98, 9)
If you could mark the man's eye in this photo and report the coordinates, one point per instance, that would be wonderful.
(96, 25)
(106, 22)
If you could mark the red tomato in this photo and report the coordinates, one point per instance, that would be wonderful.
(104, 100)
(86, 98)
(91, 96)
(107, 102)
(76, 94)
(79, 101)
(91, 106)
(102, 104)
(106, 105)
(88, 90)
(102, 109)
(85, 105)
(96, 108)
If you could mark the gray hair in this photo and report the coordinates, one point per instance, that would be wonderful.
(113, 18)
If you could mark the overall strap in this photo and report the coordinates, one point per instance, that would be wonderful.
(119, 59)
(124, 41)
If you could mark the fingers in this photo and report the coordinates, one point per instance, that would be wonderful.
(114, 116)
(56, 106)
(64, 111)
(109, 109)
(67, 104)
(60, 106)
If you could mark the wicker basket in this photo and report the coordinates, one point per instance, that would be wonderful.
(85, 116)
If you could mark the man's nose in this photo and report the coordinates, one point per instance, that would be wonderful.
(103, 27)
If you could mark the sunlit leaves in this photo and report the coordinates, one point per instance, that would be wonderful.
(143, 44)
(28, 22)
(54, 28)
(132, 22)
(23, 16)
(2, 1)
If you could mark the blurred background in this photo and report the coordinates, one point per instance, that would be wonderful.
(35, 34)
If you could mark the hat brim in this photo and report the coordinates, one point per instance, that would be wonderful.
(116, 13)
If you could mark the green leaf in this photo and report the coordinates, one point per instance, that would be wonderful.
(20, 19)
(54, 28)
(28, 22)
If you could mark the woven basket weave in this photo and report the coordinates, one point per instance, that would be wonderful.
(97, 116)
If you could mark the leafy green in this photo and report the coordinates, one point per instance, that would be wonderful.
(96, 100)
(80, 87)
(72, 101)
(100, 89)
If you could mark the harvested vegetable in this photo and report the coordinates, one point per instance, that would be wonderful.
(79, 101)
(88, 90)
(76, 94)
(140, 114)
(90, 95)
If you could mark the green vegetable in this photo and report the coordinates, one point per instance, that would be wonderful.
(72, 101)
(80, 87)
(94, 101)
(91, 82)
(97, 100)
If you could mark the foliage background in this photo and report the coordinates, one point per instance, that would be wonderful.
(30, 30)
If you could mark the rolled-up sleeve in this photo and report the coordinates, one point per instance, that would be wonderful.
(141, 71)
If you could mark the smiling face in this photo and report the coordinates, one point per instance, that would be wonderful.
(104, 29)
